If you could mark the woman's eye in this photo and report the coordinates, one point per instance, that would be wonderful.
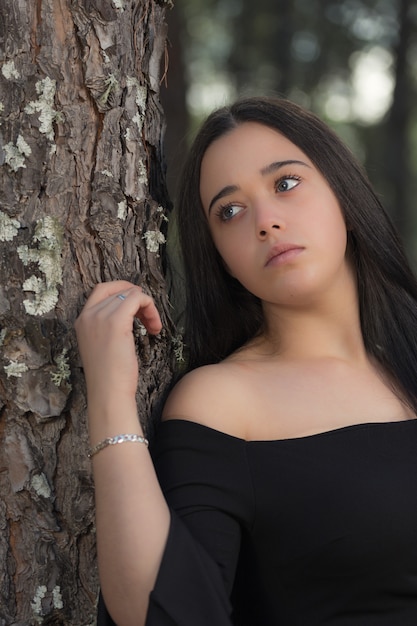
(229, 211)
(287, 183)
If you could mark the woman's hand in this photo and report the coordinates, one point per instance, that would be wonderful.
(106, 343)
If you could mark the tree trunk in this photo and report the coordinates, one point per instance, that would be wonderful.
(82, 200)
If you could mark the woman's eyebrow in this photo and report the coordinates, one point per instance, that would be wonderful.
(276, 165)
(223, 192)
(268, 169)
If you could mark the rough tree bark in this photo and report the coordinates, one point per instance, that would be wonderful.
(82, 200)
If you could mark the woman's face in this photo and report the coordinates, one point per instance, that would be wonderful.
(273, 217)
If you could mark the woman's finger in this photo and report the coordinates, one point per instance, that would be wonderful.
(140, 305)
(108, 298)
(105, 290)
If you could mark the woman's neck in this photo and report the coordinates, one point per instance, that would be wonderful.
(330, 329)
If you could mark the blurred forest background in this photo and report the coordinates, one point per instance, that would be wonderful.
(353, 62)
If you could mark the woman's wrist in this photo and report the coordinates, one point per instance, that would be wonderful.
(110, 419)
(114, 441)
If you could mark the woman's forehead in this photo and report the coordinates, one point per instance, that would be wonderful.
(249, 147)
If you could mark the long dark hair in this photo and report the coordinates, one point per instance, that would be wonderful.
(221, 315)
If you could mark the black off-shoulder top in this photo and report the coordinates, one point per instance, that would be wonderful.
(312, 531)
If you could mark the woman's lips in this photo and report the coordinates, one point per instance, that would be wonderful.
(282, 253)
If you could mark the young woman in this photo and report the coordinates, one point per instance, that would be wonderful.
(287, 456)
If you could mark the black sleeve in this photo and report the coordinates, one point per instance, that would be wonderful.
(205, 479)
(189, 589)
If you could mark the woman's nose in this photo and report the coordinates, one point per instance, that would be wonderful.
(268, 221)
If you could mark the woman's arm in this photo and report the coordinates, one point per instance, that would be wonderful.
(132, 516)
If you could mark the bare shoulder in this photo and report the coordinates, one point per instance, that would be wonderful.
(212, 395)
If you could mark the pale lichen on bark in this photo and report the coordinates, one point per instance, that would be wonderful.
(63, 369)
(9, 227)
(122, 210)
(41, 594)
(40, 485)
(15, 369)
(9, 70)
(15, 154)
(44, 105)
(36, 603)
(119, 4)
(48, 236)
(153, 239)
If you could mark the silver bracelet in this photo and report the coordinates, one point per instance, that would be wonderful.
(111, 441)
